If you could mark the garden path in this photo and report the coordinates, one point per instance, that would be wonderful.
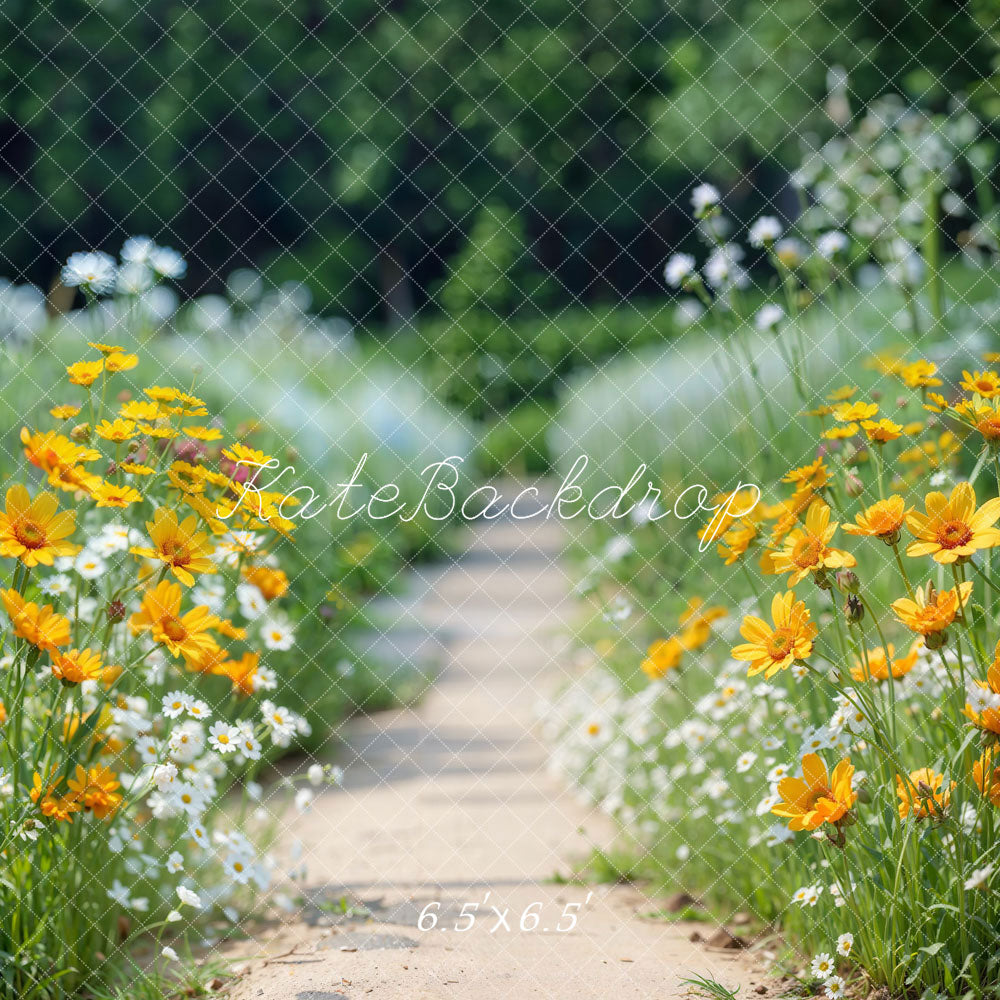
(450, 802)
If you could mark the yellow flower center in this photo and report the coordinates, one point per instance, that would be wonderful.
(807, 551)
(779, 645)
(175, 552)
(174, 630)
(985, 385)
(29, 534)
(952, 534)
(989, 426)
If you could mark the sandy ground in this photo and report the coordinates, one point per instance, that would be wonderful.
(447, 811)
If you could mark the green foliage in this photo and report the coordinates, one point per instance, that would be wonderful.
(517, 444)
(747, 79)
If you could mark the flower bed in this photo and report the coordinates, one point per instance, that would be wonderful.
(806, 727)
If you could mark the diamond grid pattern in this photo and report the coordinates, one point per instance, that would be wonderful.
(549, 561)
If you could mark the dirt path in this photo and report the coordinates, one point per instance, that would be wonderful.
(451, 804)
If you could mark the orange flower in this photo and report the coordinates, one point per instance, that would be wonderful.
(806, 550)
(952, 529)
(882, 519)
(985, 384)
(184, 635)
(78, 665)
(179, 545)
(931, 610)
(878, 665)
(96, 790)
(984, 716)
(42, 627)
(33, 531)
(816, 798)
(60, 809)
(272, 583)
(986, 774)
(662, 656)
(770, 649)
(56, 455)
(923, 795)
(241, 672)
(85, 373)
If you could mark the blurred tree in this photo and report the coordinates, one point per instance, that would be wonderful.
(357, 143)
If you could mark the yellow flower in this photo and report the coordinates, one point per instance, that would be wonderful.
(135, 469)
(105, 348)
(985, 384)
(952, 529)
(840, 433)
(807, 550)
(881, 431)
(816, 798)
(42, 627)
(162, 394)
(698, 621)
(662, 656)
(920, 375)
(77, 666)
(140, 409)
(931, 610)
(158, 431)
(770, 649)
(855, 411)
(882, 519)
(112, 495)
(878, 664)
(250, 457)
(203, 433)
(187, 478)
(116, 430)
(736, 541)
(809, 477)
(119, 362)
(184, 635)
(84, 373)
(923, 795)
(936, 403)
(986, 774)
(843, 393)
(32, 530)
(178, 544)
(96, 790)
(64, 411)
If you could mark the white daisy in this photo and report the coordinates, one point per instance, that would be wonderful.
(93, 272)
(175, 703)
(223, 737)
